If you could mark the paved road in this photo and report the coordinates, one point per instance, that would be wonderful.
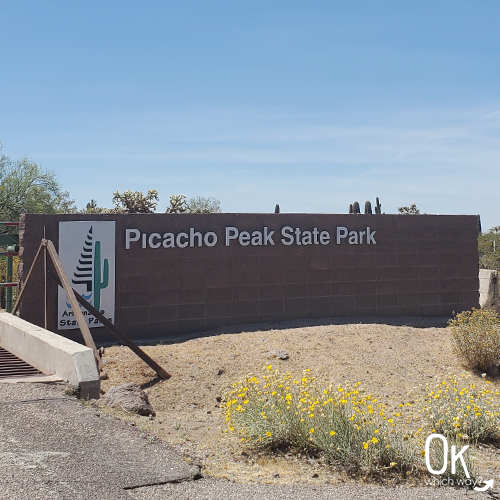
(54, 448)
(209, 489)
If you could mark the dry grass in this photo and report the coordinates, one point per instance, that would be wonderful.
(388, 359)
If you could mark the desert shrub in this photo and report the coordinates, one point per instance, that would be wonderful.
(476, 338)
(343, 424)
(456, 408)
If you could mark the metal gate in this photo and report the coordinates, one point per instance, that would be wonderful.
(13, 367)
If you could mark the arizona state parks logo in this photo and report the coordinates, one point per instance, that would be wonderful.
(87, 251)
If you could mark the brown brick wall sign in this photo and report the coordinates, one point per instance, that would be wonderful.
(195, 272)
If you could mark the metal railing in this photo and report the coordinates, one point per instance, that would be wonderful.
(12, 243)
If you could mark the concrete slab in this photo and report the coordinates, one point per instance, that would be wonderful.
(51, 354)
(53, 447)
(32, 379)
(488, 285)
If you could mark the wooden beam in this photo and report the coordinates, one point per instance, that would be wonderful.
(64, 282)
(112, 328)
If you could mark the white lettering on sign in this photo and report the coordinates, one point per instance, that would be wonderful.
(245, 238)
(298, 236)
(234, 236)
(356, 237)
(131, 235)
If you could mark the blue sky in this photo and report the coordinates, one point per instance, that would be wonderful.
(311, 105)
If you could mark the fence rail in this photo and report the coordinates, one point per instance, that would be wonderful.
(12, 243)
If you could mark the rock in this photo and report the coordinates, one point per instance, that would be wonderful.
(278, 355)
(220, 371)
(275, 475)
(129, 397)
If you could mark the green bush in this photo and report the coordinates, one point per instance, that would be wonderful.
(476, 338)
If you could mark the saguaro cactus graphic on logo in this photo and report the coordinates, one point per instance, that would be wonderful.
(98, 283)
(88, 271)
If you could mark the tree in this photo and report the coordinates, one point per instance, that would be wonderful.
(203, 205)
(134, 202)
(195, 205)
(411, 210)
(489, 249)
(26, 188)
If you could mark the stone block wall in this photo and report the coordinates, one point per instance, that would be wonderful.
(402, 265)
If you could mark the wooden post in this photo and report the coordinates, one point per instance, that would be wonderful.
(84, 328)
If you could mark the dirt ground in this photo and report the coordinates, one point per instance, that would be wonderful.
(389, 358)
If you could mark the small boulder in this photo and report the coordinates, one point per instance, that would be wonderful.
(129, 397)
(278, 355)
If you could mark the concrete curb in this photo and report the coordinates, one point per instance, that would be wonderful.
(51, 353)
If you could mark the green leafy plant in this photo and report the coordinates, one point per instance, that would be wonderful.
(27, 188)
(195, 205)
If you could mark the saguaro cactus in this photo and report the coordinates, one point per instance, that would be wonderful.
(368, 208)
(277, 209)
(355, 208)
(378, 207)
(99, 284)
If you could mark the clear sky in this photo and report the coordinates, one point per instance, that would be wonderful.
(310, 104)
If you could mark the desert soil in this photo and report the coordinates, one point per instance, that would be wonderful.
(389, 358)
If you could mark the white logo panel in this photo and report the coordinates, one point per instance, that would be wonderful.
(87, 253)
